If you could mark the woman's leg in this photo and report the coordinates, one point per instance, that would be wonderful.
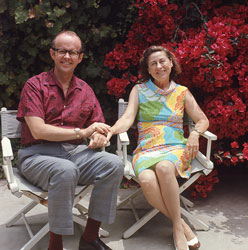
(165, 171)
(150, 187)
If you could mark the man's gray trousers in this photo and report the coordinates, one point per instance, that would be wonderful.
(59, 167)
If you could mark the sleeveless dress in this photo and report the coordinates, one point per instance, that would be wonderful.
(160, 127)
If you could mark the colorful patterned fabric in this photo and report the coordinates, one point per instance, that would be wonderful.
(160, 127)
(43, 96)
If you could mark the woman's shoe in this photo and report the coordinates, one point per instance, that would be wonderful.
(194, 243)
(176, 245)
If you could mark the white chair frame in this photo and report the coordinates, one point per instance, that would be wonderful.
(11, 129)
(201, 165)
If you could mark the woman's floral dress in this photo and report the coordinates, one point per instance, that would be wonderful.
(160, 127)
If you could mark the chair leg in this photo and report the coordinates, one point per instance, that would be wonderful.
(25, 210)
(127, 199)
(186, 202)
(197, 223)
(136, 226)
(82, 209)
(36, 238)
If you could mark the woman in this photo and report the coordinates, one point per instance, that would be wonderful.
(162, 152)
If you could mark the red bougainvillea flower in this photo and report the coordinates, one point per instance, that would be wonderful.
(234, 144)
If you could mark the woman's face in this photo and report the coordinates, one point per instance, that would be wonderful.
(159, 66)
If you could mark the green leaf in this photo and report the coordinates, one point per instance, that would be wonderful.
(59, 12)
(56, 28)
(12, 7)
(66, 18)
(92, 71)
(21, 15)
(32, 51)
(3, 78)
(3, 6)
(2, 61)
(45, 42)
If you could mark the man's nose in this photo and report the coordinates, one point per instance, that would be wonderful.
(67, 54)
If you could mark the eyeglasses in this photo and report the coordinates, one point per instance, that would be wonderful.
(72, 53)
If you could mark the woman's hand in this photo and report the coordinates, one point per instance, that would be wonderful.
(99, 127)
(192, 146)
(109, 135)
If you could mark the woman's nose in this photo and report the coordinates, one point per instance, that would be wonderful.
(159, 65)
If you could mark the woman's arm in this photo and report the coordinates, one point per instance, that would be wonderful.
(201, 125)
(127, 119)
(195, 112)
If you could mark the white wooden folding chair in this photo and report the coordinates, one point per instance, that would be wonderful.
(11, 129)
(201, 165)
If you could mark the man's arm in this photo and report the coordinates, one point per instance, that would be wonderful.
(42, 131)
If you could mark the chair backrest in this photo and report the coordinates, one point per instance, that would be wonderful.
(10, 126)
(122, 105)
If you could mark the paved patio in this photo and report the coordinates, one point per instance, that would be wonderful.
(225, 211)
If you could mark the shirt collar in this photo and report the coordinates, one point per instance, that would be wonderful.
(51, 80)
(160, 91)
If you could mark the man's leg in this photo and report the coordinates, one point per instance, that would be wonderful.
(59, 177)
(105, 171)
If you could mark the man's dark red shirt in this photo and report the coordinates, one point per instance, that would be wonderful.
(43, 96)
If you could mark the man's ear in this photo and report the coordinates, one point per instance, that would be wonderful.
(81, 55)
(51, 51)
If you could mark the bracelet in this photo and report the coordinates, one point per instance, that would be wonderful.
(197, 130)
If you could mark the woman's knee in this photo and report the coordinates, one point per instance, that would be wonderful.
(165, 168)
(146, 178)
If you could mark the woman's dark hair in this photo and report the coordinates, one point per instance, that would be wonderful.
(70, 33)
(143, 63)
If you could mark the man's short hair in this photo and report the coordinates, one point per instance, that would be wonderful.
(70, 33)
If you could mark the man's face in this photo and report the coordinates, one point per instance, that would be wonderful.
(65, 54)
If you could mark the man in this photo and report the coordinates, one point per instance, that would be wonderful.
(58, 112)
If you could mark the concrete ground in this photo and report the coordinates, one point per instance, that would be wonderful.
(225, 210)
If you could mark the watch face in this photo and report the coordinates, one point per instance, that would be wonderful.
(77, 132)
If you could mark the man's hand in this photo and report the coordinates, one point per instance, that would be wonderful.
(97, 140)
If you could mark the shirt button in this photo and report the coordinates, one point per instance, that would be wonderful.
(62, 123)
(64, 106)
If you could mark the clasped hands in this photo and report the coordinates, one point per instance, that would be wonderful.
(97, 133)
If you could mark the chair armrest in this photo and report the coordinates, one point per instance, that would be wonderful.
(122, 142)
(7, 164)
(123, 137)
(204, 161)
(208, 135)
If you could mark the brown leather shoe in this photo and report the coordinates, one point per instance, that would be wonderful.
(94, 245)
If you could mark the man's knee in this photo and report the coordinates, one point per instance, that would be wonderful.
(116, 164)
(66, 172)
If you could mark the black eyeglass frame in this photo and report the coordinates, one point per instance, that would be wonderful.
(77, 53)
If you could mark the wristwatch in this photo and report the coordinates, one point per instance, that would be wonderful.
(77, 130)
